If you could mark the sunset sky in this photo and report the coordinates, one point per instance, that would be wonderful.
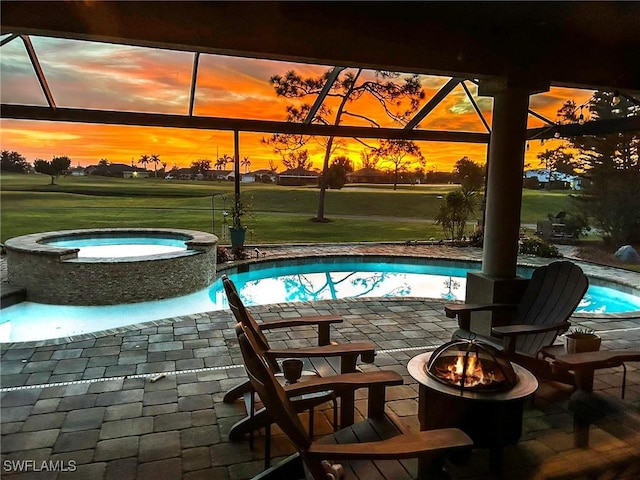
(113, 77)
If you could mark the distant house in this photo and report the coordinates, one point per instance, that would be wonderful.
(121, 170)
(298, 177)
(247, 177)
(540, 178)
(439, 178)
(264, 176)
(135, 174)
(368, 175)
(184, 173)
(221, 174)
(77, 171)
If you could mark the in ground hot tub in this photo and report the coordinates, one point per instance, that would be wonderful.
(111, 266)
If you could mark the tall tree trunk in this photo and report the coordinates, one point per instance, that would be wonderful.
(327, 153)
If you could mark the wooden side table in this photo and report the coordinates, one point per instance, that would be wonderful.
(584, 365)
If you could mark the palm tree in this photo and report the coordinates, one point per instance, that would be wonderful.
(246, 163)
(144, 160)
(155, 159)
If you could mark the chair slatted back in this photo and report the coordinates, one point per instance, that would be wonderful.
(270, 391)
(243, 316)
(552, 295)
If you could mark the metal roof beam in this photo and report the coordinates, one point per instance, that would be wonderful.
(598, 127)
(476, 107)
(433, 103)
(8, 39)
(194, 78)
(39, 73)
(331, 79)
(109, 117)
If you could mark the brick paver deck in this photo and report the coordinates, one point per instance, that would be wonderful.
(88, 408)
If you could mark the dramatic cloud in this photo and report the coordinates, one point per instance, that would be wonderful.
(115, 77)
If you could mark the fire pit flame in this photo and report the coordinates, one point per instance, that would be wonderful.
(471, 365)
(473, 375)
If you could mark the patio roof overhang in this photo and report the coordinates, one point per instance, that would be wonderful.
(577, 44)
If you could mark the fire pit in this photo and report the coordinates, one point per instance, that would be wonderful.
(471, 386)
(471, 365)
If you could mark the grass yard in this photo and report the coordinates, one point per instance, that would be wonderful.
(281, 214)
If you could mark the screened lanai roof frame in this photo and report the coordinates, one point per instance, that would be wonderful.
(55, 113)
(165, 24)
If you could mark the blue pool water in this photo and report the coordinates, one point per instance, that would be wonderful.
(119, 246)
(329, 279)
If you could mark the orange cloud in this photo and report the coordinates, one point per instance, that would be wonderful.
(111, 77)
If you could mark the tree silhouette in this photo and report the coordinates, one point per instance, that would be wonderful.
(155, 159)
(221, 162)
(470, 175)
(56, 167)
(144, 160)
(348, 86)
(246, 163)
(338, 170)
(611, 162)
(297, 160)
(399, 153)
(201, 166)
(13, 162)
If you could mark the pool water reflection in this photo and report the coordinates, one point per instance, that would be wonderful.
(278, 283)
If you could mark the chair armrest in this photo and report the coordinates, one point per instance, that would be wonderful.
(322, 321)
(515, 330)
(463, 311)
(408, 445)
(454, 309)
(347, 352)
(301, 321)
(509, 333)
(345, 383)
(345, 386)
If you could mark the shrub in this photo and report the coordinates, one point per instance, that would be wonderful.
(534, 246)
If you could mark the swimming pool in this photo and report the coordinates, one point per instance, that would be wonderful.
(277, 282)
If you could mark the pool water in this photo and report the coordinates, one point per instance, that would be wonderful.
(120, 247)
(277, 284)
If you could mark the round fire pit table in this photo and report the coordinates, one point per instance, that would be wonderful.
(492, 419)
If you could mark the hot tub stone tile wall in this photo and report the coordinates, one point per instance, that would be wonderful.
(56, 276)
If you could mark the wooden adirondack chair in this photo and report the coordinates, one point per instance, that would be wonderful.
(347, 354)
(377, 443)
(551, 296)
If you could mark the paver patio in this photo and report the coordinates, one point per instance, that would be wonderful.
(89, 406)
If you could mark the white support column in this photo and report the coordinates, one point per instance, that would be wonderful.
(504, 182)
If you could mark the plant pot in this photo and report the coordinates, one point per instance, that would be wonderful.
(582, 342)
(237, 236)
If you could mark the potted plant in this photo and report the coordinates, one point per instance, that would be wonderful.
(580, 340)
(237, 231)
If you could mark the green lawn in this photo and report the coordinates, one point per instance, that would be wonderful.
(281, 214)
